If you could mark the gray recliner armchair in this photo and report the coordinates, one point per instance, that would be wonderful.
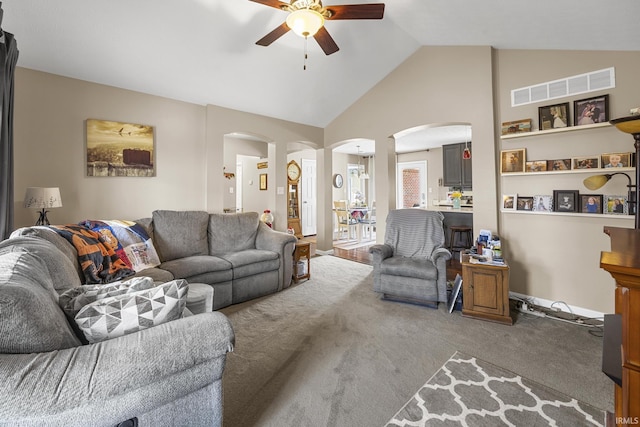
(411, 264)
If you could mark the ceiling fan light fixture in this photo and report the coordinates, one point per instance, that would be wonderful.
(305, 22)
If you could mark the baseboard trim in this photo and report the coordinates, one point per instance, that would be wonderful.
(585, 312)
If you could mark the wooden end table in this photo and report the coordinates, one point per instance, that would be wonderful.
(302, 251)
(485, 292)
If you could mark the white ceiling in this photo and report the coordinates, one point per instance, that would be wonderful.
(204, 51)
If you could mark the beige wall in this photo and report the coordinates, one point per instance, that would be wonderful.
(50, 112)
(435, 85)
(552, 257)
(557, 257)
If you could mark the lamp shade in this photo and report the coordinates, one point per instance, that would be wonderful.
(42, 198)
(596, 181)
(305, 22)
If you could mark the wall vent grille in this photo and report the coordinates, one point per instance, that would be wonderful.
(574, 85)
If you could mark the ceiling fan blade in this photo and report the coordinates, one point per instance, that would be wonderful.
(325, 41)
(356, 11)
(274, 35)
(273, 3)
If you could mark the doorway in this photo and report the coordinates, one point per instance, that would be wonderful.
(412, 184)
(308, 197)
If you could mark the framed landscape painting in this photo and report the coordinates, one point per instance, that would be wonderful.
(119, 149)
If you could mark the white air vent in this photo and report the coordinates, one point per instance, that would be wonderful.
(574, 85)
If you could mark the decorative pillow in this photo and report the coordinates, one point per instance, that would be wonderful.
(130, 241)
(132, 312)
(74, 299)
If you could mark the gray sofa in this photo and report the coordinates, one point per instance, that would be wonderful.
(238, 255)
(169, 374)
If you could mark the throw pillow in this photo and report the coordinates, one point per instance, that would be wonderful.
(74, 299)
(132, 312)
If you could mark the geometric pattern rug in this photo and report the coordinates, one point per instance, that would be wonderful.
(468, 391)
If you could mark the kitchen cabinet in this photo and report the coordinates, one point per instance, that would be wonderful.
(456, 170)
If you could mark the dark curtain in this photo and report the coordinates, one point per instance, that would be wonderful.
(8, 60)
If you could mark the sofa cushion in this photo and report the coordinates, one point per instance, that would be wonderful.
(232, 232)
(157, 274)
(180, 234)
(73, 300)
(120, 315)
(62, 271)
(58, 241)
(30, 319)
(196, 265)
(252, 261)
(409, 267)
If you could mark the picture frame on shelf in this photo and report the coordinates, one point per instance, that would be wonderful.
(592, 162)
(536, 166)
(565, 200)
(590, 111)
(524, 203)
(516, 126)
(512, 160)
(559, 165)
(615, 205)
(616, 160)
(543, 203)
(509, 201)
(591, 203)
(263, 181)
(554, 116)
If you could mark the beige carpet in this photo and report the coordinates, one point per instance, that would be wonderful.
(329, 352)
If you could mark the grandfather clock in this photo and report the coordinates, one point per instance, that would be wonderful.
(293, 198)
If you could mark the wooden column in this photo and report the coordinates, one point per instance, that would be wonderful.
(623, 263)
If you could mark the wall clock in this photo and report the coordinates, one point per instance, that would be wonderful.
(337, 180)
(293, 171)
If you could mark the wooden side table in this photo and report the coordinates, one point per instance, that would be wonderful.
(485, 292)
(302, 251)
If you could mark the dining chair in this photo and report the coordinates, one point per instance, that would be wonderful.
(369, 221)
(345, 221)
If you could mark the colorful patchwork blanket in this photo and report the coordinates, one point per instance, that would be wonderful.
(99, 262)
(129, 240)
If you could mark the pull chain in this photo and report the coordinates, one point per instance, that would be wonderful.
(304, 67)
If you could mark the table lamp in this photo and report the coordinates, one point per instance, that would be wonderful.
(42, 198)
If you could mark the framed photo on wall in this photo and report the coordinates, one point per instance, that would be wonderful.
(512, 160)
(543, 203)
(616, 160)
(559, 165)
(615, 205)
(525, 203)
(509, 201)
(536, 166)
(585, 163)
(516, 126)
(591, 203)
(591, 110)
(565, 200)
(263, 181)
(554, 116)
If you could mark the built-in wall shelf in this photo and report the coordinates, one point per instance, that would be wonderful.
(559, 130)
(588, 215)
(593, 171)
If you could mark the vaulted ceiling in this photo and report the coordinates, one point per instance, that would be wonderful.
(204, 51)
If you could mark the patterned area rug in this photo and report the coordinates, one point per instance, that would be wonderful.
(470, 392)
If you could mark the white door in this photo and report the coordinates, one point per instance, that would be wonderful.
(412, 183)
(308, 197)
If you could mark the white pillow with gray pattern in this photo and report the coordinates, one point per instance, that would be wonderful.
(131, 312)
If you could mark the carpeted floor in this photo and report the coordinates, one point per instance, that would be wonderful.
(468, 391)
(329, 352)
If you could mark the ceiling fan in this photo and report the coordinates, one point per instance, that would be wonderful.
(306, 18)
